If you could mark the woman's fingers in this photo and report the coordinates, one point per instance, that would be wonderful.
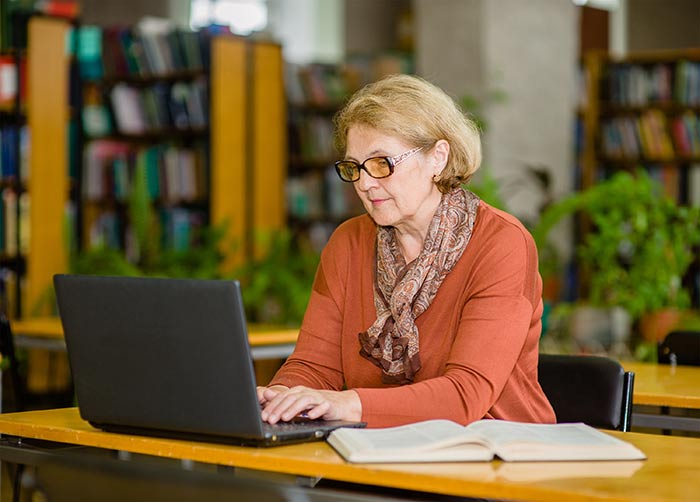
(288, 404)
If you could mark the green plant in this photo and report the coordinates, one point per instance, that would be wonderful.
(277, 285)
(201, 259)
(487, 188)
(640, 245)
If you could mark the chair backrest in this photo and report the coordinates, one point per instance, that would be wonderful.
(680, 347)
(594, 390)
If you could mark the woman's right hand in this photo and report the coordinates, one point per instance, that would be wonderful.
(265, 394)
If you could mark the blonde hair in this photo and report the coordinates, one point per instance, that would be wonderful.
(420, 113)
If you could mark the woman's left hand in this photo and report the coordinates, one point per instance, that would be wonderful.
(326, 404)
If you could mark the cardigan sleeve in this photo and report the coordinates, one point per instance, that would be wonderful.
(317, 359)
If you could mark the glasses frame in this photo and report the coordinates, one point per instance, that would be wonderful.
(392, 161)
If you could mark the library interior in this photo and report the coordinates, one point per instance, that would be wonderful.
(194, 139)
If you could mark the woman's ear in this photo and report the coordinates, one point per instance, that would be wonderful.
(441, 152)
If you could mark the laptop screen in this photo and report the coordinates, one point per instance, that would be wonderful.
(156, 353)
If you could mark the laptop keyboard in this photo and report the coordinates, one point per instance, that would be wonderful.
(294, 424)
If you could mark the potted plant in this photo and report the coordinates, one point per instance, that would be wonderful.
(277, 285)
(639, 247)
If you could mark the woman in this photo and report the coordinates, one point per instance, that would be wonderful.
(429, 306)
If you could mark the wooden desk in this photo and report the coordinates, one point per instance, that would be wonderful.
(46, 333)
(666, 386)
(670, 473)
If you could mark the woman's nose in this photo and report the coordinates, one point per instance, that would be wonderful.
(365, 182)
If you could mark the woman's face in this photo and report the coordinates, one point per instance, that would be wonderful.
(408, 198)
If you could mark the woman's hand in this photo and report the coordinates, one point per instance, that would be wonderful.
(283, 404)
(267, 393)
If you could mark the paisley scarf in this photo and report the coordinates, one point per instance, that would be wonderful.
(403, 291)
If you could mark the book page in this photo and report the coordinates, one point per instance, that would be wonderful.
(501, 432)
(576, 441)
(420, 436)
(430, 441)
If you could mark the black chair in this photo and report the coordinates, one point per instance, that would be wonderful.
(21, 398)
(680, 347)
(594, 390)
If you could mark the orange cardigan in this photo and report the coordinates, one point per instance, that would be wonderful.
(478, 339)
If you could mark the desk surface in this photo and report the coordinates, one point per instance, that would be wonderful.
(671, 472)
(51, 328)
(665, 385)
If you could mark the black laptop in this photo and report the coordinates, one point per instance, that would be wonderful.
(169, 358)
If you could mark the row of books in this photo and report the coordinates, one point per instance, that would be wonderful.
(318, 83)
(687, 85)
(681, 183)
(14, 163)
(311, 138)
(158, 108)
(112, 229)
(638, 85)
(324, 84)
(321, 194)
(685, 130)
(634, 137)
(152, 47)
(14, 222)
(661, 83)
(174, 174)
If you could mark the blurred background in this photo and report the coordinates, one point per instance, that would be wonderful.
(193, 138)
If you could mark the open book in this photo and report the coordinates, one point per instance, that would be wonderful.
(446, 441)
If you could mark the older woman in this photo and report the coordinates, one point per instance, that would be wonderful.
(429, 306)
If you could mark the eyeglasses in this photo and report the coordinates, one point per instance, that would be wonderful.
(376, 167)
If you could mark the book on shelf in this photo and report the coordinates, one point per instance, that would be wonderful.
(483, 440)
(693, 187)
(8, 79)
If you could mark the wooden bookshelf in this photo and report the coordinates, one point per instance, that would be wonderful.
(317, 200)
(47, 118)
(643, 110)
(229, 151)
(268, 143)
(241, 146)
(245, 140)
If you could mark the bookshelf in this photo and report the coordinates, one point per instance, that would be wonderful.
(48, 116)
(33, 186)
(199, 112)
(13, 138)
(643, 110)
(317, 200)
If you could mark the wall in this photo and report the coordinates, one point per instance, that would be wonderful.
(371, 25)
(449, 45)
(528, 50)
(127, 12)
(668, 24)
(309, 30)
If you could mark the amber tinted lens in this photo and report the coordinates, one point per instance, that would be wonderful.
(378, 167)
(348, 171)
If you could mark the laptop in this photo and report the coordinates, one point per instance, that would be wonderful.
(169, 358)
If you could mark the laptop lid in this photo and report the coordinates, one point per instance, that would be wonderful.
(164, 357)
